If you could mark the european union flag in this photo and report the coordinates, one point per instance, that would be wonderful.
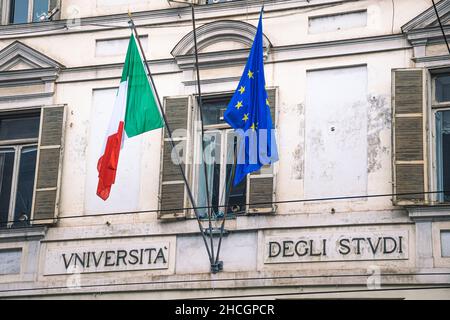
(249, 114)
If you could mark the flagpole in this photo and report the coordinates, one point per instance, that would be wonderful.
(227, 201)
(169, 133)
(200, 104)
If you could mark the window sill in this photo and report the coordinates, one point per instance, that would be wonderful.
(435, 212)
(22, 234)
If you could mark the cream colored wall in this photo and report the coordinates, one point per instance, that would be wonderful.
(93, 8)
(77, 49)
(75, 85)
(280, 27)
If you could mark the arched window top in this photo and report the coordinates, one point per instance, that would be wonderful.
(226, 31)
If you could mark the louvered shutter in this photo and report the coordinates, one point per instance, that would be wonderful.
(49, 165)
(260, 185)
(173, 194)
(409, 136)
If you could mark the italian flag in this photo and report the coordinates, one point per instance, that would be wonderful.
(135, 112)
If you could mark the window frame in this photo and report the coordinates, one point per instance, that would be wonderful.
(6, 8)
(435, 107)
(224, 129)
(18, 145)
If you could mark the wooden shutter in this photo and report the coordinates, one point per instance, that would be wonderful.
(49, 165)
(173, 194)
(409, 136)
(260, 185)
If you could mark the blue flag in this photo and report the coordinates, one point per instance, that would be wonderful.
(249, 114)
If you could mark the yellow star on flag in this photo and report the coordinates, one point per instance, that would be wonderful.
(253, 126)
(267, 102)
(250, 74)
(239, 105)
(245, 118)
(242, 90)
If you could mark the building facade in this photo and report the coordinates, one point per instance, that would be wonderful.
(357, 205)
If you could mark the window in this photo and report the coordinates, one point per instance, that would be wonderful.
(220, 143)
(421, 136)
(25, 11)
(258, 191)
(442, 88)
(441, 107)
(18, 150)
(31, 145)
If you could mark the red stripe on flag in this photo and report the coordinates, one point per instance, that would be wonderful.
(107, 164)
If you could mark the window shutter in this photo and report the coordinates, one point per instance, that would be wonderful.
(260, 185)
(409, 136)
(173, 194)
(49, 165)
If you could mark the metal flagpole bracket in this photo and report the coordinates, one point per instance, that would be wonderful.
(217, 267)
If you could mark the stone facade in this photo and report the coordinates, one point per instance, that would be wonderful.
(331, 65)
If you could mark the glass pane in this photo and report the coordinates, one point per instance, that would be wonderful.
(18, 11)
(40, 8)
(213, 111)
(443, 153)
(212, 159)
(6, 172)
(445, 244)
(237, 194)
(443, 88)
(12, 128)
(24, 194)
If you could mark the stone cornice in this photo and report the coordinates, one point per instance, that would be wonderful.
(175, 14)
(238, 57)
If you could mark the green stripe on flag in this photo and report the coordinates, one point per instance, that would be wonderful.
(142, 113)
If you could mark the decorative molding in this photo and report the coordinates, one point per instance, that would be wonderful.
(429, 213)
(424, 30)
(26, 96)
(213, 59)
(16, 77)
(218, 31)
(442, 58)
(307, 51)
(175, 14)
(18, 52)
(212, 81)
(22, 234)
(37, 69)
(428, 18)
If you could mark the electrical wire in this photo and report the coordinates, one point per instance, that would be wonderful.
(242, 205)
(210, 280)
